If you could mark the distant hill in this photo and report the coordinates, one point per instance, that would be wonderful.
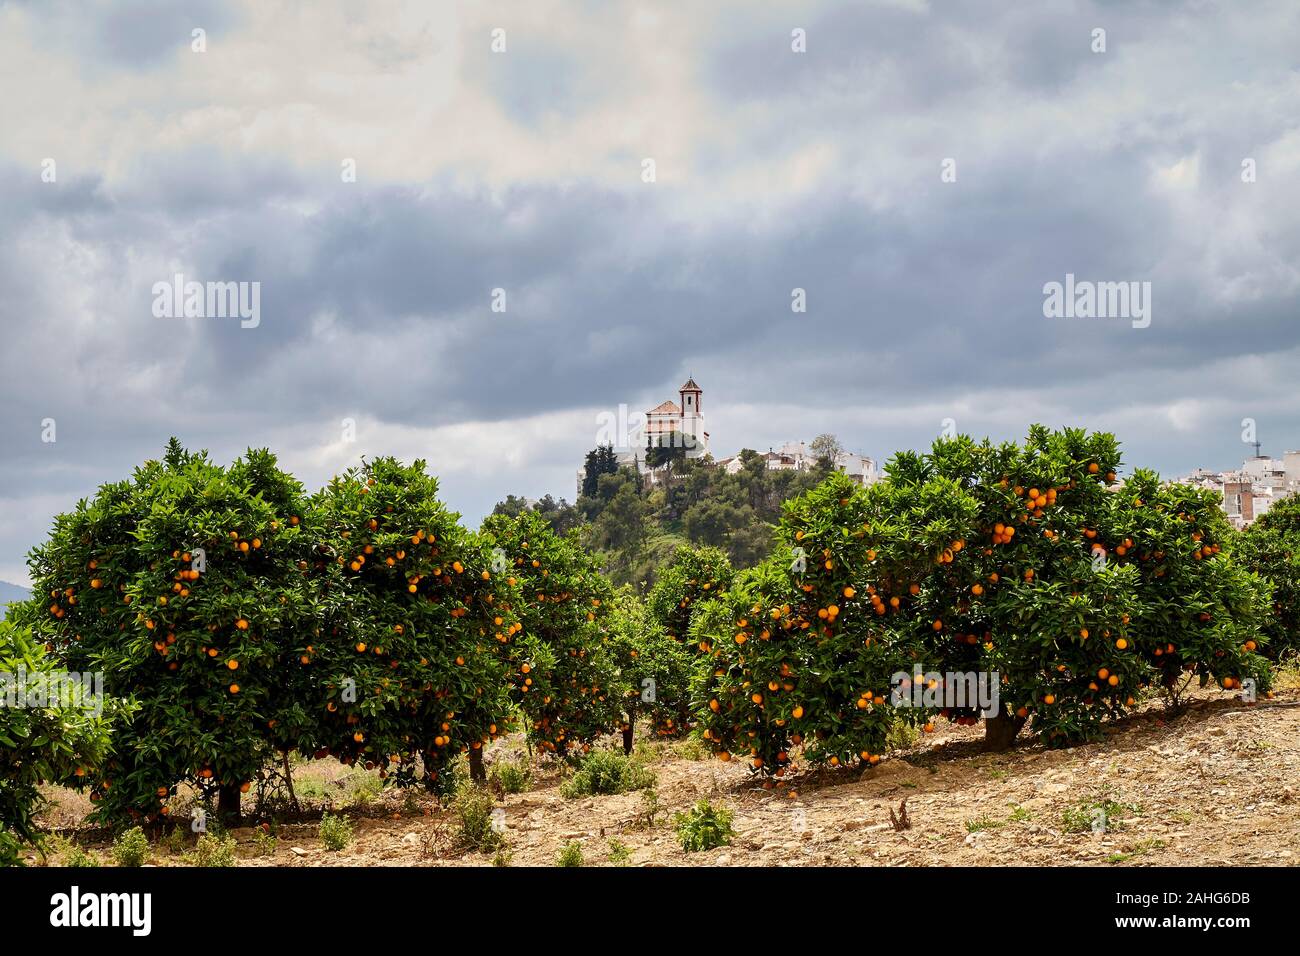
(12, 592)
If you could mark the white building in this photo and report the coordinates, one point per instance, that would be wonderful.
(1249, 492)
(670, 422)
(683, 421)
(665, 424)
(795, 456)
(1291, 467)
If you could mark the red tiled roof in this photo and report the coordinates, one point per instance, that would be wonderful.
(667, 408)
(690, 386)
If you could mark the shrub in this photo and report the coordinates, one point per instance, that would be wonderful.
(78, 858)
(606, 772)
(704, 827)
(60, 742)
(473, 808)
(185, 586)
(511, 776)
(335, 832)
(570, 854)
(619, 854)
(212, 849)
(175, 841)
(131, 848)
(264, 843)
(562, 674)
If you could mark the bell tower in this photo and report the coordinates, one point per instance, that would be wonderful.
(693, 417)
(690, 394)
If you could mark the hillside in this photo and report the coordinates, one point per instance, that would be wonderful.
(635, 524)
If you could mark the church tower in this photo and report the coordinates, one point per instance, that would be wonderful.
(693, 417)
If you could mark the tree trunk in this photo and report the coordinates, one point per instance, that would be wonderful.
(477, 773)
(228, 803)
(627, 738)
(430, 760)
(288, 780)
(1000, 731)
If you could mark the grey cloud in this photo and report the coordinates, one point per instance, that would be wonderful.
(127, 34)
(924, 303)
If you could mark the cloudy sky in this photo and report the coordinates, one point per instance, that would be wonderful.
(524, 170)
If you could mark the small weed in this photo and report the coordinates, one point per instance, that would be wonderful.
(1286, 675)
(335, 832)
(1137, 849)
(131, 848)
(363, 788)
(175, 841)
(704, 827)
(264, 843)
(650, 808)
(410, 804)
(619, 854)
(1096, 815)
(212, 850)
(78, 858)
(570, 854)
(647, 751)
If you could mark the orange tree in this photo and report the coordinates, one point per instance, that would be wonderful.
(47, 735)
(1016, 597)
(655, 669)
(1068, 594)
(184, 585)
(562, 672)
(691, 577)
(1271, 548)
(1202, 612)
(408, 661)
(1019, 566)
(796, 650)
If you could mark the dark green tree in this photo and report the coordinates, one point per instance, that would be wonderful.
(601, 460)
